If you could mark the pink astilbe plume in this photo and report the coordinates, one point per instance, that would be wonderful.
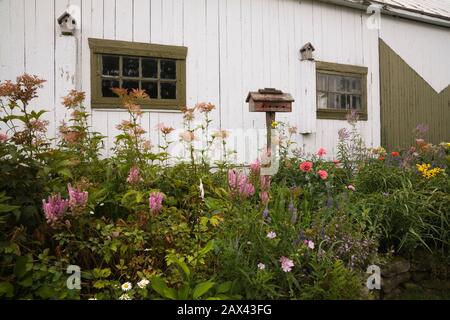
(134, 176)
(54, 208)
(77, 197)
(155, 202)
(239, 183)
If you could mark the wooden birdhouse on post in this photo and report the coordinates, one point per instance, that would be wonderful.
(270, 101)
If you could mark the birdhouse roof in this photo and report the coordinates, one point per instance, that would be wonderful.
(63, 16)
(269, 95)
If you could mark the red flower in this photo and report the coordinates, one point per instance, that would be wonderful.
(306, 166)
(381, 158)
(323, 174)
(395, 154)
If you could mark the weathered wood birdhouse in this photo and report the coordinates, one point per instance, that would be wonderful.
(270, 101)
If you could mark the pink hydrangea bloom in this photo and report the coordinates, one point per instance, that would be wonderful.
(321, 152)
(54, 208)
(77, 198)
(286, 264)
(155, 202)
(134, 176)
(322, 174)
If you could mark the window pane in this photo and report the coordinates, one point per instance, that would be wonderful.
(355, 85)
(130, 67)
(107, 85)
(130, 84)
(150, 68)
(168, 90)
(151, 87)
(322, 82)
(168, 69)
(110, 65)
(334, 101)
(356, 102)
(322, 100)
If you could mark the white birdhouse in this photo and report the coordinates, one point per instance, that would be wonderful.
(67, 23)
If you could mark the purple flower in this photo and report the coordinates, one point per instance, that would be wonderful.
(155, 202)
(54, 208)
(134, 176)
(286, 264)
(77, 198)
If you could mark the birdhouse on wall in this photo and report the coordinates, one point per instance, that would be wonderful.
(67, 23)
(306, 52)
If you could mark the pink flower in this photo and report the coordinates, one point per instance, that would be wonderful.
(239, 183)
(155, 202)
(3, 138)
(309, 244)
(187, 136)
(134, 176)
(265, 183)
(306, 166)
(54, 208)
(77, 198)
(286, 264)
(322, 174)
(255, 166)
(321, 152)
(336, 162)
(264, 196)
(271, 235)
(352, 188)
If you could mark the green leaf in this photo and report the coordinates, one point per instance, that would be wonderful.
(21, 266)
(159, 285)
(6, 289)
(224, 287)
(202, 288)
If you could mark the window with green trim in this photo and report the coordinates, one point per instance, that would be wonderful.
(160, 70)
(341, 89)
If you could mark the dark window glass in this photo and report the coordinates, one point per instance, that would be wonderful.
(130, 67)
(338, 92)
(150, 68)
(168, 69)
(107, 85)
(168, 90)
(110, 65)
(151, 87)
(130, 84)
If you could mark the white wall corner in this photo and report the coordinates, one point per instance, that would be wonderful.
(306, 103)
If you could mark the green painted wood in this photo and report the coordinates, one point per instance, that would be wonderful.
(408, 100)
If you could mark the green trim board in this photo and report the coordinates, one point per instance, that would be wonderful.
(343, 70)
(407, 100)
(100, 47)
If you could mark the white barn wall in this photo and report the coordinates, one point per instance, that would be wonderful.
(234, 46)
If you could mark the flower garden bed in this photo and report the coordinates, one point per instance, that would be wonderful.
(140, 225)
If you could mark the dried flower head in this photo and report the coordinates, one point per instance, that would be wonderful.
(74, 99)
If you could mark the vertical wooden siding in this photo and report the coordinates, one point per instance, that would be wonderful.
(408, 100)
(234, 46)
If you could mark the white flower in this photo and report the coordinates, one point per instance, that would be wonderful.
(124, 297)
(311, 245)
(126, 286)
(271, 235)
(261, 266)
(202, 190)
(92, 299)
(143, 283)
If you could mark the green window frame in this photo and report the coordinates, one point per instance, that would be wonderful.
(136, 52)
(354, 96)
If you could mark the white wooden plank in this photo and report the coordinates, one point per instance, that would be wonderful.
(141, 21)
(97, 19)
(124, 20)
(156, 35)
(109, 19)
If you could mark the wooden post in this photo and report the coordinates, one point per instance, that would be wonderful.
(270, 118)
